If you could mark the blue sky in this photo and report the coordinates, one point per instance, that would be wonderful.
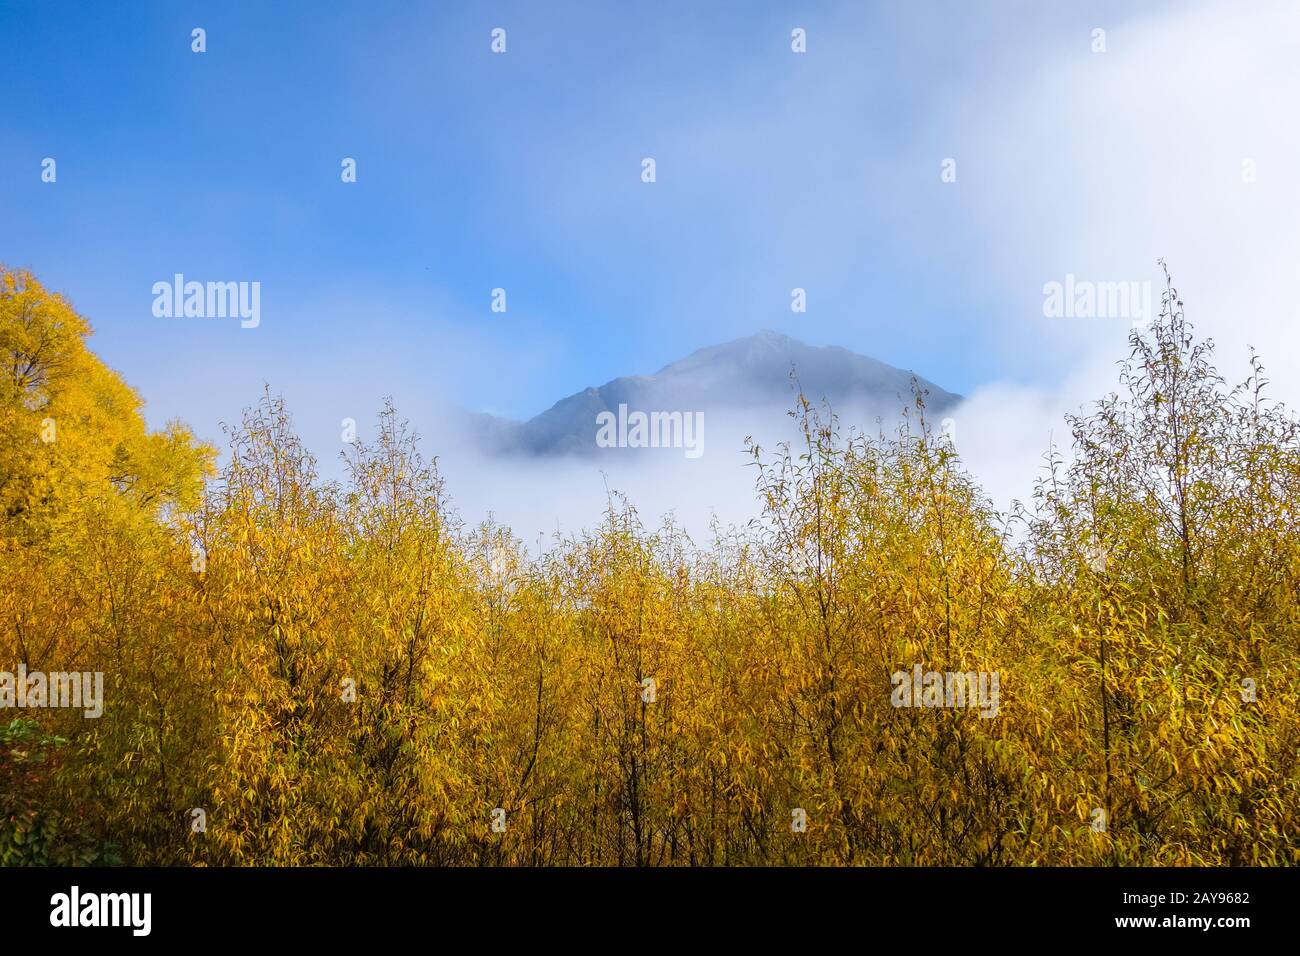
(522, 171)
(518, 171)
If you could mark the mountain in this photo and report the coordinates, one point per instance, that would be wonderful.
(749, 374)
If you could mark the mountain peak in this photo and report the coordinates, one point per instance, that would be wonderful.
(749, 375)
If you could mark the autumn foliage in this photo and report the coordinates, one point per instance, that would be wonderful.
(346, 674)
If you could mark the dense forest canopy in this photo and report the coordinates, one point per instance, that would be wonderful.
(304, 672)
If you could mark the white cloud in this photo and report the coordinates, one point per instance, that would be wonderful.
(1100, 164)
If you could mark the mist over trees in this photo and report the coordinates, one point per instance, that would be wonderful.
(305, 672)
